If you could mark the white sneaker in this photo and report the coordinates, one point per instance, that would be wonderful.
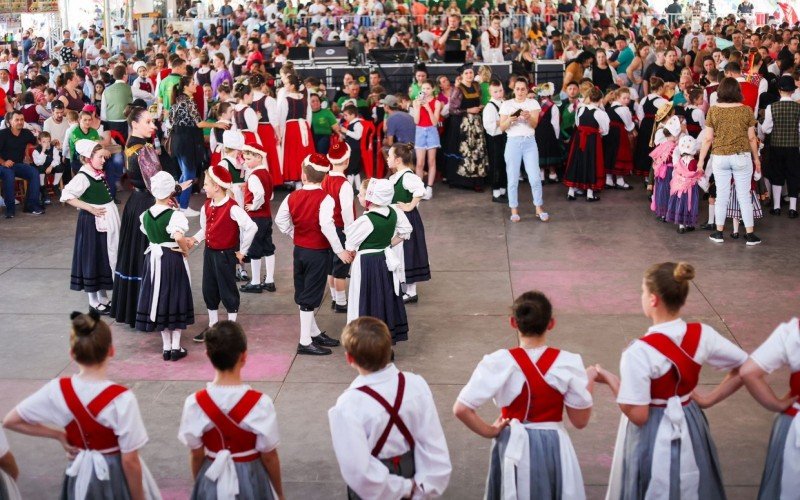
(189, 212)
(16, 201)
(428, 193)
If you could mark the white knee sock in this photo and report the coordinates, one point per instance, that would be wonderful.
(341, 297)
(621, 181)
(57, 179)
(41, 180)
(609, 179)
(411, 289)
(165, 340)
(589, 193)
(496, 192)
(792, 203)
(102, 297)
(776, 196)
(232, 316)
(314, 326)
(571, 192)
(255, 267)
(306, 320)
(711, 209)
(176, 339)
(270, 271)
(334, 293)
(93, 299)
(541, 174)
(213, 317)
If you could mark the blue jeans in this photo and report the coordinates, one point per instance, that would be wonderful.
(23, 171)
(323, 143)
(188, 173)
(114, 168)
(523, 150)
(740, 168)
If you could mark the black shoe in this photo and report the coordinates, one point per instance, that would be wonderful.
(689, 229)
(708, 227)
(792, 214)
(774, 211)
(610, 186)
(37, 211)
(752, 239)
(410, 299)
(313, 350)
(571, 197)
(177, 354)
(9, 216)
(250, 288)
(681, 230)
(270, 287)
(626, 187)
(324, 341)
(103, 310)
(500, 199)
(592, 199)
(200, 337)
(244, 276)
(167, 354)
(333, 304)
(717, 237)
(735, 236)
(339, 309)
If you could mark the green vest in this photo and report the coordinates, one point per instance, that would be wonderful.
(383, 229)
(236, 174)
(156, 226)
(401, 194)
(117, 96)
(97, 193)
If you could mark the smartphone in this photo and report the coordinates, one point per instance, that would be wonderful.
(516, 113)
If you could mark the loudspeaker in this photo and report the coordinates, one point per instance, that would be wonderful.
(549, 70)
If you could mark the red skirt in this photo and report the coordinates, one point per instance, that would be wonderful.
(296, 149)
(267, 135)
(585, 166)
(618, 161)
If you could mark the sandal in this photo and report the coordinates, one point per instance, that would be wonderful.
(515, 218)
(543, 216)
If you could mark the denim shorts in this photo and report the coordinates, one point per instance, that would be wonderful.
(427, 138)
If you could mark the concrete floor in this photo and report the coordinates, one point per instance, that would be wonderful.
(589, 259)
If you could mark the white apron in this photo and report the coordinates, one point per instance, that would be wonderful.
(393, 263)
(156, 250)
(11, 486)
(109, 224)
(89, 462)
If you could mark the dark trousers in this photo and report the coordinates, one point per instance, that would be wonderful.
(311, 269)
(23, 171)
(339, 269)
(782, 167)
(219, 280)
(322, 143)
(495, 152)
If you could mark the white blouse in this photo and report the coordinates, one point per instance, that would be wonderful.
(178, 223)
(411, 183)
(362, 227)
(782, 348)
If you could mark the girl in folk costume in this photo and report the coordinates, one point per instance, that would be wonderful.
(95, 255)
(238, 63)
(377, 270)
(231, 429)
(224, 114)
(656, 391)
(492, 41)
(204, 73)
(585, 168)
(142, 87)
(408, 192)
(465, 151)
(96, 421)
(694, 116)
(617, 151)
(165, 299)
(257, 195)
(781, 477)
(735, 212)
(684, 200)
(664, 156)
(551, 155)
(646, 112)
(532, 455)
(245, 119)
(295, 113)
(8, 471)
(266, 107)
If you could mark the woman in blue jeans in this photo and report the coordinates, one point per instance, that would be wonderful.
(187, 146)
(734, 155)
(518, 119)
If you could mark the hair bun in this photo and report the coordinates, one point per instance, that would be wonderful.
(75, 314)
(683, 272)
(83, 324)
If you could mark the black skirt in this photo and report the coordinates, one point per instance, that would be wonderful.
(91, 271)
(130, 259)
(262, 245)
(175, 309)
(376, 296)
(415, 251)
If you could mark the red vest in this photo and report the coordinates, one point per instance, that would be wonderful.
(266, 181)
(222, 232)
(538, 401)
(304, 205)
(394, 415)
(794, 386)
(684, 375)
(749, 94)
(332, 184)
(226, 433)
(84, 431)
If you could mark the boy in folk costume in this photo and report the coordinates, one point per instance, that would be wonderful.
(781, 122)
(657, 393)
(532, 383)
(228, 232)
(306, 215)
(337, 186)
(377, 270)
(232, 160)
(548, 131)
(245, 463)
(165, 298)
(408, 192)
(97, 234)
(617, 151)
(352, 133)
(781, 477)
(257, 195)
(495, 142)
(385, 429)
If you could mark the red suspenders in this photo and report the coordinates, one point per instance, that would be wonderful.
(685, 372)
(541, 402)
(394, 415)
(227, 433)
(85, 431)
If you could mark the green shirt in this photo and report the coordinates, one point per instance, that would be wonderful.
(165, 89)
(322, 122)
(76, 135)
